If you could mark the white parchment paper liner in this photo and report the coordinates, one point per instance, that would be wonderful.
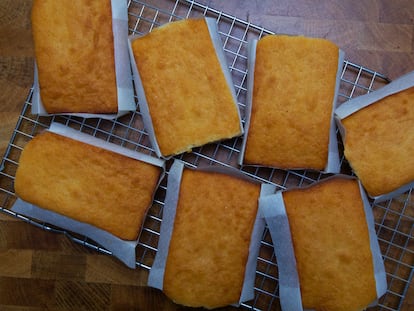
(122, 249)
(156, 276)
(125, 90)
(139, 89)
(272, 208)
(333, 163)
(360, 102)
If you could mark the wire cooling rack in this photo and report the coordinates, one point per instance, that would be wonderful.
(394, 218)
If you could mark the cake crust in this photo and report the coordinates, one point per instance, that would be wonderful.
(293, 94)
(210, 241)
(331, 244)
(379, 143)
(189, 99)
(74, 49)
(86, 183)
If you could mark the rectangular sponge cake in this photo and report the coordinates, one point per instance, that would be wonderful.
(292, 102)
(210, 241)
(331, 244)
(86, 183)
(189, 99)
(379, 143)
(74, 50)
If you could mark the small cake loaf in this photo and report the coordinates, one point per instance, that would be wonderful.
(331, 244)
(87, 183)
(74, 50)
(292, 102)
(210, 240)
(189, 99)
(379, 143)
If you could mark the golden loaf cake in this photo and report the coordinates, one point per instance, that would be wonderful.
(379, 143)
(210, 241)
(292, 102)
(188, 97)
(86, 183)
(74, 50)
(331, 244)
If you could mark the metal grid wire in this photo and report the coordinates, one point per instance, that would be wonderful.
(394, 218)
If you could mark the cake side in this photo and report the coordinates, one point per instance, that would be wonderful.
(86, 183)
(210, 241)
(379, 143)
(189, 100)
(331, 244)
(74, 50)
(293, 94)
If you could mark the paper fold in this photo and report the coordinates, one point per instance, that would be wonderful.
(273, 210)
(122, 249)
(156, 275)
(139, 89)
(360, 102)
(125, 91)
(333, 162)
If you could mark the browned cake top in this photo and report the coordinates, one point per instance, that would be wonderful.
(331, 244)
(379, 143)
(189, 100)
(293, 93)
(210, 240)
(74, 51)
(86, 183)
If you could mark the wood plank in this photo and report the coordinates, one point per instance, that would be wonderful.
(21, 235)
(42, 270)
(16, 263)
(106, 269)
(56, 265)
(130, 297)
(396, 11)
(408, 304)
(23, 292)
(335, 10)
(72, 295)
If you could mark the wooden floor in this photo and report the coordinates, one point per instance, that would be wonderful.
(40, 270)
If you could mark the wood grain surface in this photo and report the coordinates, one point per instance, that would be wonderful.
(40, 270)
